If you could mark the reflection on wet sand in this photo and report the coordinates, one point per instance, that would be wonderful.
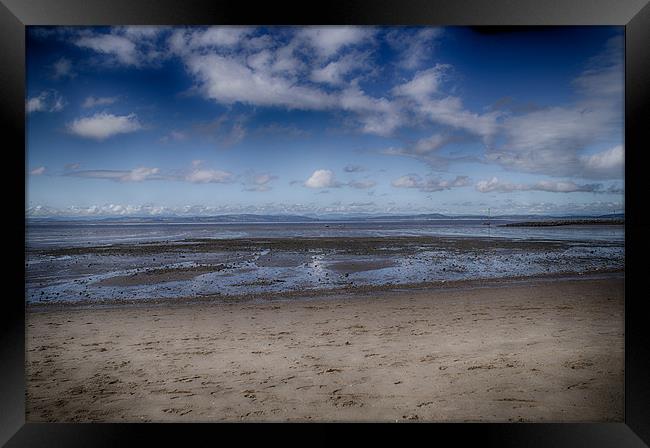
(236, 267)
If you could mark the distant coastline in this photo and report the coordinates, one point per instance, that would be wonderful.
(327, 218)
(566, 222)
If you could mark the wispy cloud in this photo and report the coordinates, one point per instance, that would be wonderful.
(429, 185)
(130, 46)
(198, 174)
(282, 130)
(259, 182)
(174, 136)
(37, 171)
(208, 176)
(423, 84)
(336, 72)
(329, 40)
(353, 168)
(553, 140)
(135, 175)
(92, 101)
(495, 185)
(415, 47)
(426, 150)
(62, 68)
(123, 49)
(226, 130)
(46, 101)
(362, 184)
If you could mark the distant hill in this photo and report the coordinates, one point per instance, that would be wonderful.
(240, 218)
(566, 222)
(255, 218)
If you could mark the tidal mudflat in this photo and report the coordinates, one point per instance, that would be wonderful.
(256, 266)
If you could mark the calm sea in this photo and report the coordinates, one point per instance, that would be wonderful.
(92, 234)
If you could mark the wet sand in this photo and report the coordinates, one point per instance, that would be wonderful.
(276, 266)
(342, 244)
(155, 276)
(538, 350)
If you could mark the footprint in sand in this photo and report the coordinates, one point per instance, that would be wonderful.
(178, 411)
(249, 394)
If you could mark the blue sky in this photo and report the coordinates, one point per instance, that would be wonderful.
(316, 120)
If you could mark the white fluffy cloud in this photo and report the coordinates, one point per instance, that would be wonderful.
(122, 48)
(322, 179)
(132, 46)
(229, 81)
(606, 164)
(46, 101)
(238, 65)
(277, 75)
(104, 125)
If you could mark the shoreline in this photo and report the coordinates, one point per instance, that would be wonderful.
(306, 244)
(567, 222)
(357, 291)
(553, 352)
(246, 268)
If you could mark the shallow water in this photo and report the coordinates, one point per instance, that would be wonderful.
(53, 278)
(92, 234)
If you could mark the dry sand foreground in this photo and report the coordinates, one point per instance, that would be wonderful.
(537, 351)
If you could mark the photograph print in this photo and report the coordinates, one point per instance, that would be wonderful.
(324, 223)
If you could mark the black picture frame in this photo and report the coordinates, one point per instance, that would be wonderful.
(633, 14)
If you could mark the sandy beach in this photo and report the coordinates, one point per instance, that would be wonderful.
(534, 350)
